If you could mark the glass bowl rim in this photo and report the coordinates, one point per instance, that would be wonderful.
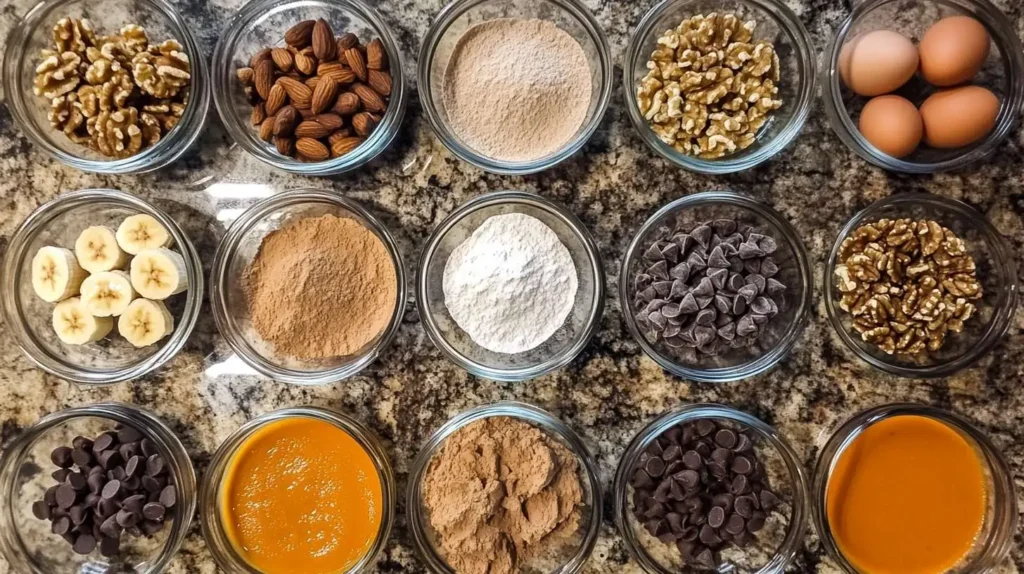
(1002, 314)
(572, 223)
(785, 344)
(439, 26)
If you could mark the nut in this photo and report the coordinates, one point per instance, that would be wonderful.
(299, 35)
(324, 95)
(346, 104)
(275, 99)
(245, 76)
(376, 57)
(340, 73)
(345, 145)
(283, 59)
(312, 129)
(299, 93)
(332, 122)
(258, 114)
(264, 78)
(346, 41)
(324, 45)
(162, 71)
(380, 82)
(312, 149)
(285, 121)
(364, 124)
(57, 75)
(267, 129)
(305, 62)
(285, 145)
(258, 57)
(356, 63)
(370, 99)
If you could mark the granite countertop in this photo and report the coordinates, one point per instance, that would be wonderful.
(611, 390)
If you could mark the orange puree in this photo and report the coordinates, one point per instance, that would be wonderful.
(907, 496)
(301, 495)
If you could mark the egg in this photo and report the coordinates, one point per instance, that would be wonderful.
(877, 62)
(953, 50)
(958, 116)
(892, 124)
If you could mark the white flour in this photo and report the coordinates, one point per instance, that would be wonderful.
(511, 285)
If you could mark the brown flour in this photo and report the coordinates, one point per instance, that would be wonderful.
(321, 287)
(500, 492)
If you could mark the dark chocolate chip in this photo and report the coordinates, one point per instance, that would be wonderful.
(80, 442)
(716, 517)
(155, 466)
(83, 458)
(61, 474)
(756, 521)
(110, 547)
(659, 270)
(154, 511)
(709, 536)
(66, 496)
(61, 456)
(745, 505)
(108, 507)
(95, 482)
(768, 500)
(670, 252)
(104, 442)
(110, 528)
(655, 467)
(41, 510)
(724, 500)
(109, 459)
(653, 253)
(688, 478)
(78, 514)
(127, 518)
(112, 490)
(725, 438)
(740, 485)
(61, 525)
(774, 287)
(735, 524)
(691, 460)
(742, 465)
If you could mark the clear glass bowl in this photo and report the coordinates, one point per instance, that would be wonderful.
(261, 24)
(459, 16)
(996, 538)
(783, 330)
(34, 33)
(774, 548)
(996, 271)
(1003, 73)
(230, 304)
(28, 317)
(424, 536)
(775, 23)
(582, 323)
(210, 492)
(27, 543)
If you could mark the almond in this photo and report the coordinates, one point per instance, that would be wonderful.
(340, 73)
(330, 121)
(312, 149)
(346, 104)
(275, 99)
(324, 46)
(267, 129)
(380, 82)
(339, 134)
(311, 129)
(283, 59)
(299, 93)
(325, 94)
(355, 61)
(263, 77)
(370, 99)
(376, 57)
(346, 41)
(305, 63)
(258, 114)
(285, 121)
(245, 75)
(300, 34)
(307, 114)
(343, 146)
(364, 124)
(258, 57)
(312, 82)
(285, 145)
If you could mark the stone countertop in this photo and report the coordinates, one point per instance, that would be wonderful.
(611, 389)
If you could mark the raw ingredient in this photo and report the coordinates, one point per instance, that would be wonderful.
(907, 284)
(892, 124)
(517, 90)
(700, 486)
(122, 486)
(500, 493)
(145, 322)
(959, 116)
(710, 87)
(511, 284)
(142, 231)
(908, 496)
(321, 287)
(301, 495)
(117, 94)
(107, 293)
(953, 50)
(56, 274)
(97, 250)
(877, 62)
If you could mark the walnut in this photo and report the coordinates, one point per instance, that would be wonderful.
(162, 71)
(133, 40)
(152, 129)
(57, 75)
(117, 134)
(73, 35)
(66, 116)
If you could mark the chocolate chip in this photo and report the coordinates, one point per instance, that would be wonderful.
(110, 528)
(61, 525)
(735, 524)
(61, 474)
(61, 456)
(127, 518)
(110, 547)
(134, 503)
(756, 522)
(95, 482)
(653, 253)
(78, 514)
(716, 517)
(655, 466)
(640, 479)
(108, 507)
(725, 438)
(740, 485)
(723, 500)
(81, 443)
(169, 496)
(41, 510)
(109, 459)
(155, 466)
(742, 465)
(112, 490)
(708, 535)
(768, 500)
(66, 496)
(688, 478)
(745, 505)
(104, 442)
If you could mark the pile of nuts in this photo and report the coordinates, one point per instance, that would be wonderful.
(907, 284)
(321, 96)
(710, 88)
(117, 94)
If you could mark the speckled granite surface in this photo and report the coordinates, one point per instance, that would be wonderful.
(611, 390)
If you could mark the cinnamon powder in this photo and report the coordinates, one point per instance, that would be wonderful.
(321, 287)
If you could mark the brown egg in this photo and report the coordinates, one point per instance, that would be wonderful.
(953, 50)
(892, 124)
(877, 62)
(958, 116)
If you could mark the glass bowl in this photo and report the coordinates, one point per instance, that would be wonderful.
(424, 536)
(565, 344)
(112, 359)
(775, 23)
(1003, 73)
(783, 330)
(34, 33)
(774, 548)
(210, 492)
(262, 23)
(460, 15)
(230, 304)
(996, 271)
(996, 537)
(26, 541)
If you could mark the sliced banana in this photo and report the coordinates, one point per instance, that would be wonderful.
(159, 273)
(145, 322)
(97, 250)
(56, 275)
(75, 325)
(142, 231)
(107, 293)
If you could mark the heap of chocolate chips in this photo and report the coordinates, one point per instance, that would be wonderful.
(709, 288)
(700, 486)
(122, 485)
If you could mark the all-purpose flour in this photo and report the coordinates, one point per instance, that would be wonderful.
(511, 285)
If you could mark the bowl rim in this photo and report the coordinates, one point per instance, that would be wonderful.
(1001, 538)
(797, 519)
(785, 344)
(17, 251)
(806, 57)
(1002, 316)
(219, 278)
(1011, 52)
(534, 416)
(452, 11)
(170, 147)
(492, 199)
(244, 134)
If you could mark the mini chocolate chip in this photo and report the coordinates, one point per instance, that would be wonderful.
(697, 519)
(676, 522)
(724, 500)
(655, 509)
(673, 452)
(694, 504)
(688, 478)
(705, 427)
(717, 470)
(661, 493)
(686, 546)
(744, 443)
(61, 456)
(745, 505)
(716, 517)
(725, 438)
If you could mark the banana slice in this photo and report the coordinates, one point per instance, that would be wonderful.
(75, 325)
(159, 273)
(107, 293)
(56, 275)
(142, 231)
(145, 322)
(97, 250)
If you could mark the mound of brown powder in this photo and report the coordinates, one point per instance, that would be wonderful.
(500, 492)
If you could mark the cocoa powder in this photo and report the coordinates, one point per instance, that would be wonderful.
(321, 287)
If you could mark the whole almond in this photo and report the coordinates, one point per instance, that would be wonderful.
(355, 61)
(285, 145)
(376, 57)
(305, 63)
(263, 77)
(325, 94)
(267, 129)
(345, 145)
(364, 124)
(300, 34)
(311, 129)
(312, 149)
(283, 59)
(275, 99)
(370, 99)
(340, 73)
(324, 46)
(285, 121)
(339, 134)
(245, 75)
(330, 121)
(346, 104)
(346, 41)
(380, 82)
(258, 57)
(312, 81)
(258, 114)
(299, 93)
